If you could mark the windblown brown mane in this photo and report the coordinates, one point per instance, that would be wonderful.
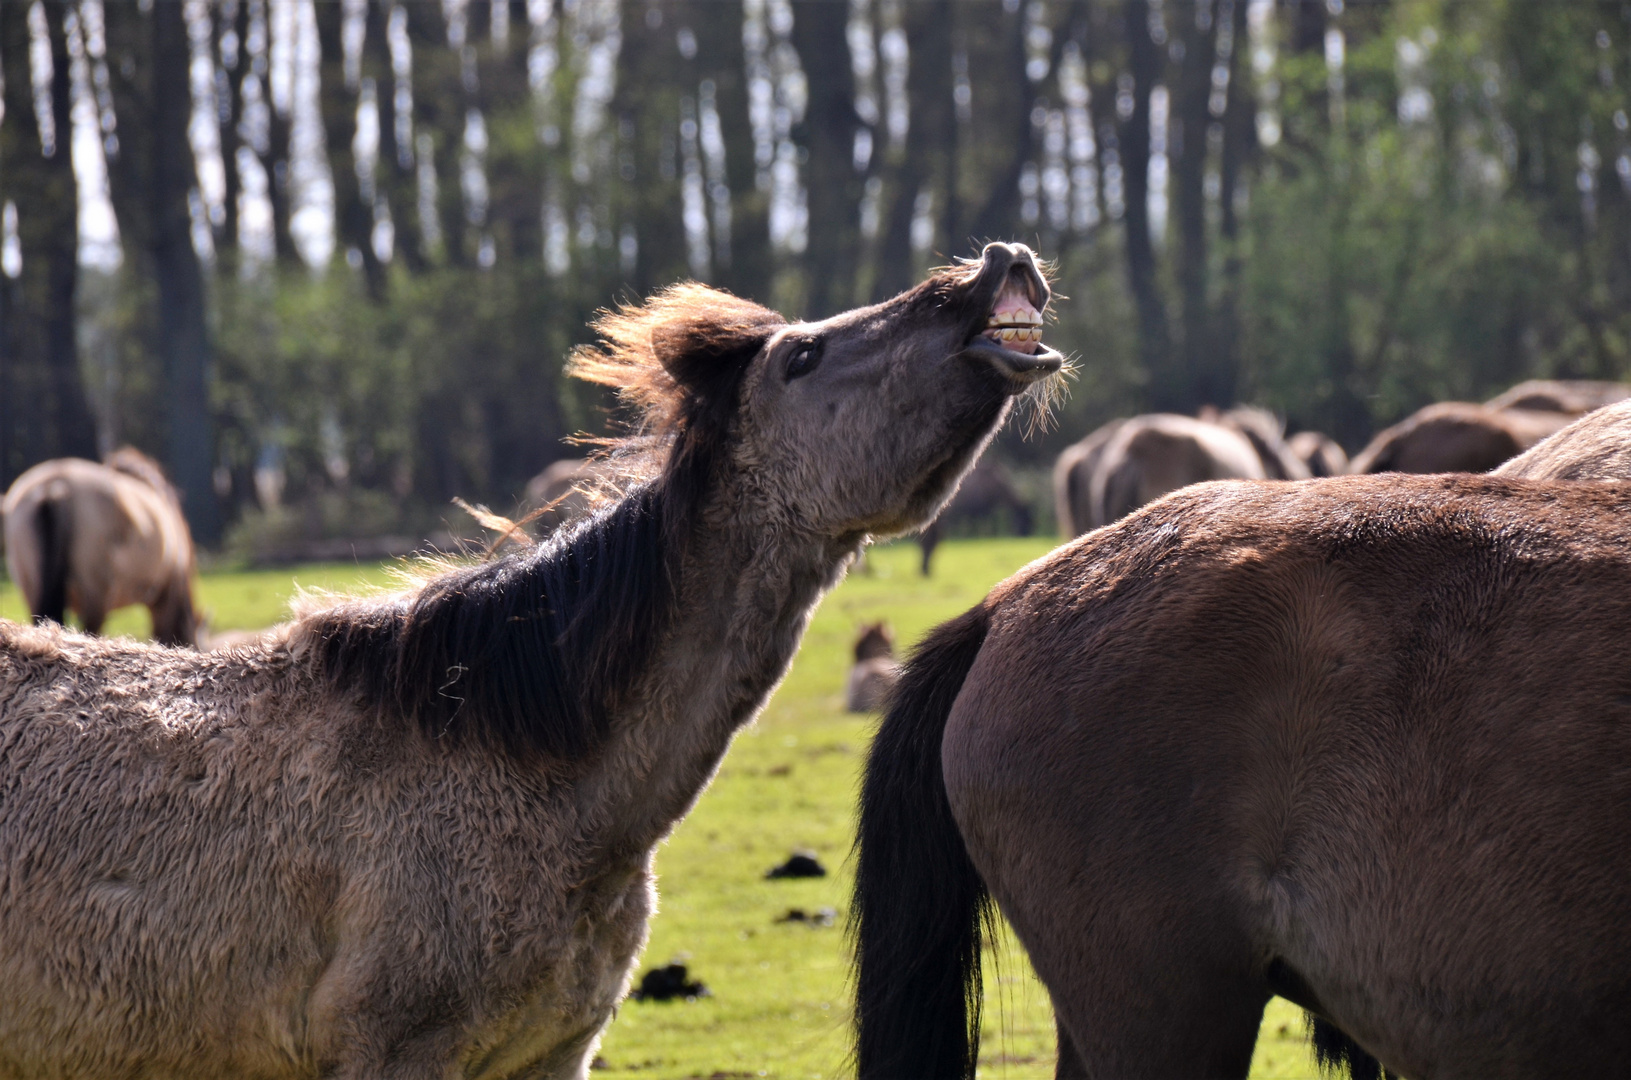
(534, 651)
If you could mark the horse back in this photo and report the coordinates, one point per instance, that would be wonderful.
(1350, 738)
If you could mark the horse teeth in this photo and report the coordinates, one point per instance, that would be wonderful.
(1014, 333)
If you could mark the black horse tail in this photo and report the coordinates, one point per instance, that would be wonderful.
(1336, 1053)
(53, 524)
(920, 909)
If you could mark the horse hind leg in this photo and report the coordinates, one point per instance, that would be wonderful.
(91, 619)
(174, 621)
(1189, 1036)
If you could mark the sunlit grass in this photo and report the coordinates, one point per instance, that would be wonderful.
(779, 997)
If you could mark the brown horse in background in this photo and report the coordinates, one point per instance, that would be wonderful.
(1322, 454)
(1127, 463)
(984, 493)
(95, 538)
(1456, 436)
(1362, 742)
(1574, 397)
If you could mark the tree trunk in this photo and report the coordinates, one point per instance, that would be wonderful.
(818, 35)
(394, 180)
(353, 218)
(1239, 140)
(183, 335)
(928, 86)
(53, 418)
(998, 216)
(227, 239)
(1154, 344)
(1202, 380)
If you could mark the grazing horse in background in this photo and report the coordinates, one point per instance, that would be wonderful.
(1321, 453)
(1595, 447)
(1456, 436)
(95, 538)
(1073, 479)
(984, 492)
(1573, 397)
(1128, 463)
(1362, 742)
(412, 836)
(872, 679)
(1267, 434)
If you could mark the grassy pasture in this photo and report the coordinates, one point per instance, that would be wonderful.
(779, 998)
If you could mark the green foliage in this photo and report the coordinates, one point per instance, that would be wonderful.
(1444, 213)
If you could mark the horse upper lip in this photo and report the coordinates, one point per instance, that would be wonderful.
(1018, 296)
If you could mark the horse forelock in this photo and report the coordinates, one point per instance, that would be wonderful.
(676, 361)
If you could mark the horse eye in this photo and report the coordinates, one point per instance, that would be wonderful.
(803, 360)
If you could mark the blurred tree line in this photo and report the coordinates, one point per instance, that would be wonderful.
(329, 255)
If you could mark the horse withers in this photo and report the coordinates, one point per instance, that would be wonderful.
(1361, 742)
(95, 538)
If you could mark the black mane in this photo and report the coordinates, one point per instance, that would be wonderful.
(534, 653)
(531, 652)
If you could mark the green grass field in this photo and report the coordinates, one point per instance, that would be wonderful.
(779, 998)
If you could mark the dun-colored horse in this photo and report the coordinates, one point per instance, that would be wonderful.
(95, 538)
(412, 837)
(1362, 742)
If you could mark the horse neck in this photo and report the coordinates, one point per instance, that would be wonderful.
(745, 596)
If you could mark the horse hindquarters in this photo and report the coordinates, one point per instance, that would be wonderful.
(1140, 947)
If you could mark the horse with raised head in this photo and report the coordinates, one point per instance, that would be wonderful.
(95, 538)
(412, 836)
(1361, 742)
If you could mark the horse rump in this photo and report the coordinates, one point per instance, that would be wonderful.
(53, 526)
(920, 909)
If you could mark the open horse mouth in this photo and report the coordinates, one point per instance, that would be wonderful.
(1015, 323)
(1010, 339)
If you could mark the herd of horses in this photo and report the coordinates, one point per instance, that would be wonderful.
(1360, 741)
